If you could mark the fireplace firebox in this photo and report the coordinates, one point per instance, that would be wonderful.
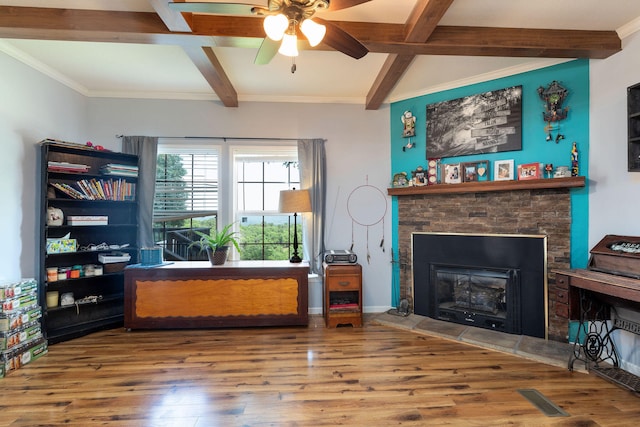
(481, 297)
(494, 282)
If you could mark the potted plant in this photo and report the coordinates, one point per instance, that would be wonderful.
(217, 243)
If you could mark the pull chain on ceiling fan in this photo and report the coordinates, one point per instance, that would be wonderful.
(282, 18)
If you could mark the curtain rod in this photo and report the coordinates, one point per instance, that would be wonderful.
(224, 138)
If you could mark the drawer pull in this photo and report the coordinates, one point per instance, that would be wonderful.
(344, 283)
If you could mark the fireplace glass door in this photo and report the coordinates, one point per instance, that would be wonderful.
(483, 297)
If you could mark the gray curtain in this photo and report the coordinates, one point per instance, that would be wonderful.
(311, 156)
(146, 148)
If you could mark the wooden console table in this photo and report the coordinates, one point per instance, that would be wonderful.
(195, 294)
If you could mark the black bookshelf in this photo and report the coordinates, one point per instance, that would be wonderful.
(98, 298)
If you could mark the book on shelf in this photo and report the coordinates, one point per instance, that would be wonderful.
(98, 189)
(119, 170)
(67, 167)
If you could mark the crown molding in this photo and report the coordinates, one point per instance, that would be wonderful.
(629, 28)
(480, 78)
(31, 62)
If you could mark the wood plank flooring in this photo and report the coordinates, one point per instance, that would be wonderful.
(370, 376)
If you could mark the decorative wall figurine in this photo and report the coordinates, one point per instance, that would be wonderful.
(409, 129)
(553, 97)
(409, 122)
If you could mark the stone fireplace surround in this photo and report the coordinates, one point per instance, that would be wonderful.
(541, 207)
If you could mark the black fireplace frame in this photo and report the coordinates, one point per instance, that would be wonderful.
(524, 253)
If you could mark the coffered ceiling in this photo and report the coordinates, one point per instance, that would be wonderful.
(142, 48)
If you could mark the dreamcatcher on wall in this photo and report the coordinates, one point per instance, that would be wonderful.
(367, 207)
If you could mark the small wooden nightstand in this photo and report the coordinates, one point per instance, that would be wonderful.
(342, 294)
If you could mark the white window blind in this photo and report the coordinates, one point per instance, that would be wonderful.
(187, 182)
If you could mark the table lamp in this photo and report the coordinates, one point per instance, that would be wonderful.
(294, 201)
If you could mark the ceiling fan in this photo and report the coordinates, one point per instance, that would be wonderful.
(282, 19)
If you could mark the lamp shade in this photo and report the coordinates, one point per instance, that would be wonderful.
(313, 31)
(289, 46)
(293, 201)
(275, 26)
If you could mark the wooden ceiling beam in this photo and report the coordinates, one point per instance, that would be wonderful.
(175, 21)
(422, 21)
(147, 27)
(487, 41)
(38, 23)
(205, 59)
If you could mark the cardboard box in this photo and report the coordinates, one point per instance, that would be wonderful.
(15, 289)
(16, 358)
(88, 220)
(58, 246)
(14, 304)
(29, 332)
(11, 321)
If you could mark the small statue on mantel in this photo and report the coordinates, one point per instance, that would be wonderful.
(574, 159)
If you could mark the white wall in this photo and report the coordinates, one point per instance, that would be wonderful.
(32, 107)
(614, 192)
(357, 147)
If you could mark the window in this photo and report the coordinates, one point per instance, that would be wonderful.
(260, 174)
(199, 185)
(186, 199)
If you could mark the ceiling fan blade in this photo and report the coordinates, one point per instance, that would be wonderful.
(340, 40)
(343, 4)
(217, 8)
(267, 51)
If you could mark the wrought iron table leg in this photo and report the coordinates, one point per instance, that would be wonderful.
(593, 343)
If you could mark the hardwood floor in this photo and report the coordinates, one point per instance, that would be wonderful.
(370, 376)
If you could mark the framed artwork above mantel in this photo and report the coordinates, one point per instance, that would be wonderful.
(488, 122)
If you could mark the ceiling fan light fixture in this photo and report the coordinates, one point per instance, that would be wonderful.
(275, 26)
(289, 46)
(313, 31)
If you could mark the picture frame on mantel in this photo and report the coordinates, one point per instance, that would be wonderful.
(503, 170)
(530, 171)
(475, 171)
(451, 173)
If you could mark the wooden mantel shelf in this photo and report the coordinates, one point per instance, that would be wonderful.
(487, 186)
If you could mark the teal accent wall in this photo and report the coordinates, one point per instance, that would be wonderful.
(574, 76)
